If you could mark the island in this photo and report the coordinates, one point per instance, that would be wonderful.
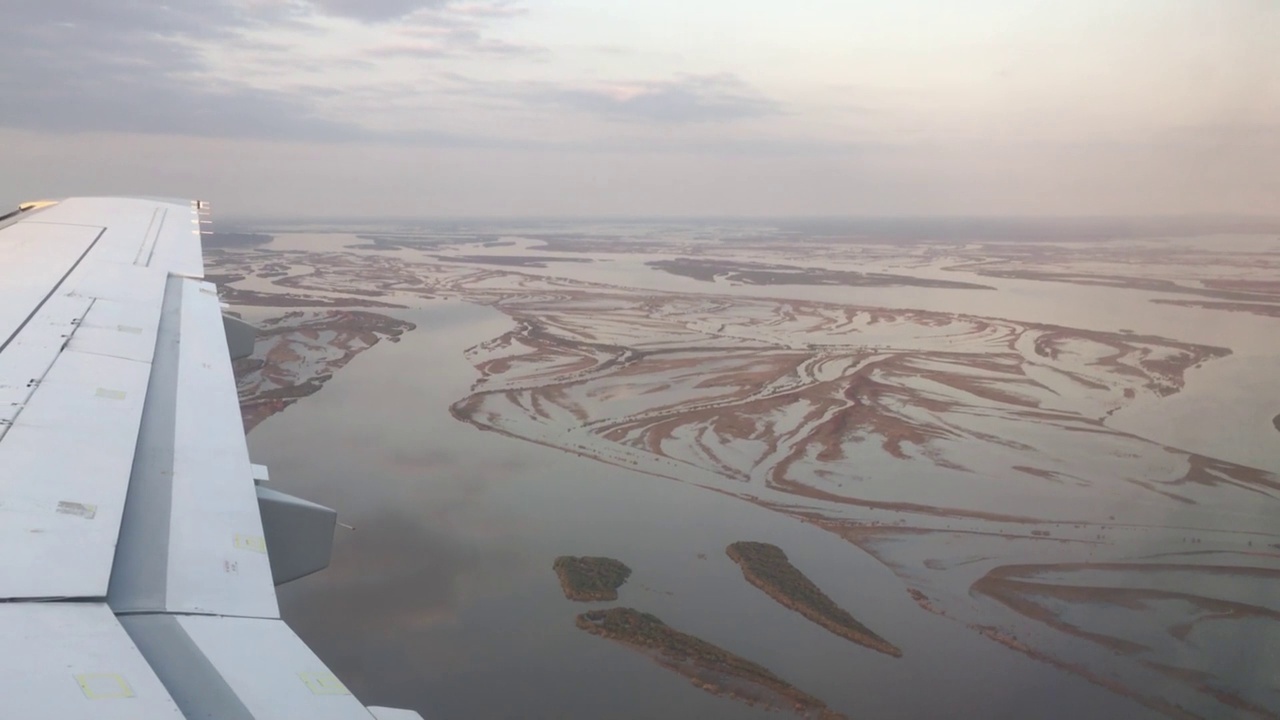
(235, 240)
(755, 273)
(709, 667)
(767, 567)
(590, 579)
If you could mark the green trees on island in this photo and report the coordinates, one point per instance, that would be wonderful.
(588, 579)
(707, 666)
(768, 568)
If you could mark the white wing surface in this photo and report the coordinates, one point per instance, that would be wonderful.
(138, 555)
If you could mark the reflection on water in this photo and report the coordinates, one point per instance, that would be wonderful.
(443, 598)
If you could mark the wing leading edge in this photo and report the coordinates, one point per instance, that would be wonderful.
(138, 578)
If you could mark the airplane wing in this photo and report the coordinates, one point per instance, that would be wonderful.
(139, 549)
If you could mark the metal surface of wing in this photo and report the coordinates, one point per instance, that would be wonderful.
(136, 578)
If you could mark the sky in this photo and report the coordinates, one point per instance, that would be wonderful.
(417, 108)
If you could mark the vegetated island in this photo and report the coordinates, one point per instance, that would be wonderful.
(588, 579)
(235, 240)
(708, 667)
(753, 273)
(1276, 421)
(767, 567)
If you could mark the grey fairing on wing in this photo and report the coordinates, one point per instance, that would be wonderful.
(138, 576)
(191, 679)
(299, 534)
(240, 337)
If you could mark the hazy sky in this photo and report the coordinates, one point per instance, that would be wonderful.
(578, 107)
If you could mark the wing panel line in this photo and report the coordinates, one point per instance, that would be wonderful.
(35, 385)
(45, 299)
(149, 238)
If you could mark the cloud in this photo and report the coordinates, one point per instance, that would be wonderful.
(685, 99)
(128, 66)
(458, 13)
(128, 17)
(305, 72)
(680, 100)
(453, 44)
(140, 67)
(374, 10)
(452, 29)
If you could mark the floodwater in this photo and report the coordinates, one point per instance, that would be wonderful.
(1226, 390)
(442, 598)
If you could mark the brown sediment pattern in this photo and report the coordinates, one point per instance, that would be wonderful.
(1205, 683)
(251, 298)
(941, 511)
(1154, 702)
(1039, 472)
(234, 240)
(924, 602)
(712, 386)
(865, 535)
(1023, 589)
(297, 353)
(708, 667)
(1224, 292)
(768, 568)
(896, 428)
(1045, 593)
(531, 261)
(1011, 641)
(1211, 472)
(1263, 309)
(589, 579)
(748, 273)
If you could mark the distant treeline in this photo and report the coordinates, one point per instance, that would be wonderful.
(1021, 229)
(231, 239)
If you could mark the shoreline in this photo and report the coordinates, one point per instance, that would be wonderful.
(590, 579)
(708, 667)
(768, 568)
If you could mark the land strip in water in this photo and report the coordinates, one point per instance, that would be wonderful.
(709, 667)
(590, 579)
(768, 568)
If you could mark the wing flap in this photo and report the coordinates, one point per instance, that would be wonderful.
(213, 488)
(72, 402)
(236, 668)
(73, 661)
(193, 540)
(64, 474)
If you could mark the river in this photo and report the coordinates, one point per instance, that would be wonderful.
(442, 598)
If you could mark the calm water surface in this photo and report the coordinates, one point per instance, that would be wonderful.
(443, 598)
